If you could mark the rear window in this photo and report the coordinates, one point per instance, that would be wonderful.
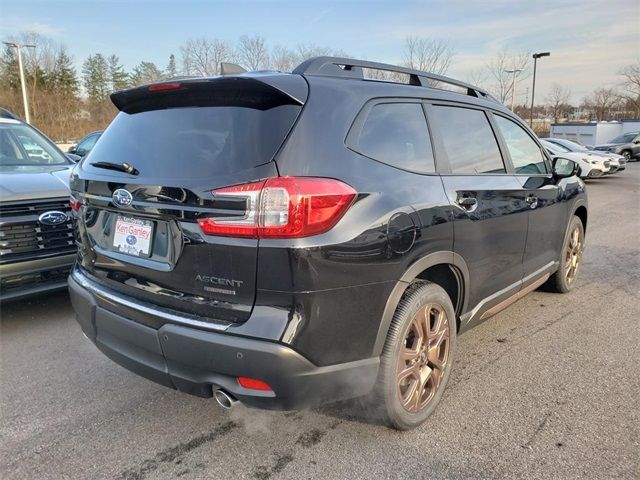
(192, 142)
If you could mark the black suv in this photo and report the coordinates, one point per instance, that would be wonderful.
(291, 239)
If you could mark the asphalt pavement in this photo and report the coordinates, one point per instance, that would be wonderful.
(549, 388)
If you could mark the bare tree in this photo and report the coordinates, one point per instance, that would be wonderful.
(253, 53)
(427, 54)
(631, 84)
(283, 59)
(498, 71)
(601, 102)
(558, 100)
(202, 56)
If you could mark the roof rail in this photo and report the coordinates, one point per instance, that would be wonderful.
(350, 68)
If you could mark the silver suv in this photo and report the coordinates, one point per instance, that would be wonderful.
(37, 247)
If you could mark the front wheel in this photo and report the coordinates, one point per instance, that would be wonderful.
(626, 154)
(565, 277)
(417, 357)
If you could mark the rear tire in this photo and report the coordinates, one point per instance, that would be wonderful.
(564, 279)
(417, 357)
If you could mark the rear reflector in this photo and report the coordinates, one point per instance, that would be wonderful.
(283, 207)
(163, 87)
(254, 384)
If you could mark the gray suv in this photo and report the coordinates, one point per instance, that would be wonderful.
(37, 248)
(627, 145)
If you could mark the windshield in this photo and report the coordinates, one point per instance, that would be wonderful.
(22, 145)
(624, 138)
(554, 147)
(573, 146)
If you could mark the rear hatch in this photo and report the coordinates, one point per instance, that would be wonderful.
(151, 175)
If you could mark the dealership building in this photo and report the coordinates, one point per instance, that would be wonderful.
(593, 133)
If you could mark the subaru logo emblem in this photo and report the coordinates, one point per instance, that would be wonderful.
(53, 217)
(122, 198)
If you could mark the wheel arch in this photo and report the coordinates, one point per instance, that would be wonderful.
(447, 269)
(580, 211)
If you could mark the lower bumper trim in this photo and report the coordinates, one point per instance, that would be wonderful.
(197, 362)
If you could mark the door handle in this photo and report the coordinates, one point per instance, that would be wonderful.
(532, 200)
(468, 203)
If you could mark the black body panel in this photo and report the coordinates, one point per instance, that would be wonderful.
(325, 301)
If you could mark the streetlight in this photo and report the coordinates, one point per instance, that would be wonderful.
(513, 87)
(23, 84)
(536, 56)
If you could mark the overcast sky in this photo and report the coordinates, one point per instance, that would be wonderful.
(589, 40)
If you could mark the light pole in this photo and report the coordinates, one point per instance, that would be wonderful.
(536, 56)
(513, 87)
(23, 84)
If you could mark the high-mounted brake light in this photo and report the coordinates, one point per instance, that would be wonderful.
(254, 384)
(163, 87)
(283, 207)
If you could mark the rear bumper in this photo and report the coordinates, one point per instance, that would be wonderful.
(197, 362)
(30, 277)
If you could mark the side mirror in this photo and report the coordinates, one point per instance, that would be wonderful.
(72, 149)
(73, 157)
(80, 152)
(636, 141)
(564, 168)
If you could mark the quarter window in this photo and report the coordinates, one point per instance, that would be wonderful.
(468, 140)
(526, 155)
(396, 134)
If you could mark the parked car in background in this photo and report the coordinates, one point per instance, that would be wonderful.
(287, 239)
(617, 162)
(587, 168)
(37, 248)
(627, 145)
(85, 145)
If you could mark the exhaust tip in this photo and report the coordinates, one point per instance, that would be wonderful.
(224, 399)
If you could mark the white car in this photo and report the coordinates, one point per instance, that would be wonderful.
(589, 167)
(617, 162)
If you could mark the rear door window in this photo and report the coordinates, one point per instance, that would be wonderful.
(526, 155)
(396, 134)
(468, 139)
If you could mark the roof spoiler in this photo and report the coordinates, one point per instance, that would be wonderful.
(242, 91)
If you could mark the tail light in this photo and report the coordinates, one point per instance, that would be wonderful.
(283, 207)
(74, 203)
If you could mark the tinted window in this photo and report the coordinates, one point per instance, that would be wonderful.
(22, 145)
(87, 144)
(468, 140)
(194, 142)
(624, 138)
(525, 153)
(396, 134)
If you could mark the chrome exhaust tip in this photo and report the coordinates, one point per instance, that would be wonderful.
(224, 399)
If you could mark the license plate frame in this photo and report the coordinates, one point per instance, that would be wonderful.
(133, 236)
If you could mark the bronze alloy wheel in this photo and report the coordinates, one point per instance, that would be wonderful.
(573, 254)
(423, 357)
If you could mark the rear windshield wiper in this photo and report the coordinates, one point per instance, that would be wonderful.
(121, 167)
